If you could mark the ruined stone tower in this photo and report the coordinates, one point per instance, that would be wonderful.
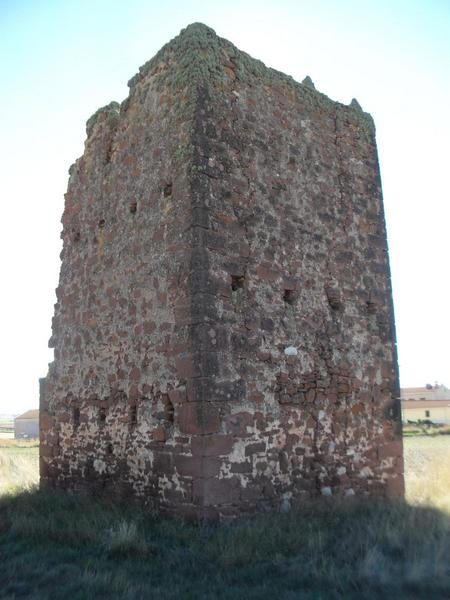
(223, 333)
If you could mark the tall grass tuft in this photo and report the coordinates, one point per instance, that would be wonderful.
(124, 539)
(17, 471)
(427, 471)
(432, 490)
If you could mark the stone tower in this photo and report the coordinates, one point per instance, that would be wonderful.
(224, 336)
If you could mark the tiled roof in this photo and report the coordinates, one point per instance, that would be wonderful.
(424, 393)
(425, 403)
(30, 414)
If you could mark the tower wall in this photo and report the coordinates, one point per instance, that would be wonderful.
(120, 330)
(224, 334)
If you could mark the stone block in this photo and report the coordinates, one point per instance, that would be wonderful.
(198, 418)
(212, 445)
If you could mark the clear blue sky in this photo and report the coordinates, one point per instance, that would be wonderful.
(61, 59)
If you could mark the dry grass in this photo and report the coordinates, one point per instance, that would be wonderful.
(125, 539)
(19, 465)
(427, 469)
(18, 444)
(425, 428)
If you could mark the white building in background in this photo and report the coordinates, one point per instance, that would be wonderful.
(27, 425)
(429, 403)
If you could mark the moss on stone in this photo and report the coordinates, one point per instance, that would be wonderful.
(197, 56)
(112, 111)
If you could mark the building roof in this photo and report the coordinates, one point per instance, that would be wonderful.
(425, 403)
(30, 414)
(429, 393)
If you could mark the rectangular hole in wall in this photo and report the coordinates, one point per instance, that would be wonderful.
(76, 417)
(102, 416)
(289, 296)
(237, 282)
(169, 409)
(133, 416)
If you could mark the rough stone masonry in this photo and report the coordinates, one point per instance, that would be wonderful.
(223, 334)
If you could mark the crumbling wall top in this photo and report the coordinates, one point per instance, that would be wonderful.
(203, 57)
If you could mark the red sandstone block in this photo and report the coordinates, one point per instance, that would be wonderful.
(216, 491)
(237, 423)
(364, 397)
(212, 445)
(395, 486)
(187, 366)
(256, 397)
(177, 497)
(182, 440)
(251, 493)
(46, 451)
(371, 454)
(289, 283)
(148, 327)
(45, 421)
(159, 434)
(43, 469)
(267, 274)
(197, 466)
(255, 448)
(133, 394)
(253, 324)
(392, 449)
(183, 314)
(135, 374)
(241, 467)
(162, 463)
(177, 396)
(198, 418)
(399, 465)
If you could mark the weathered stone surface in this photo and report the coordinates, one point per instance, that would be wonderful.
(223, 333)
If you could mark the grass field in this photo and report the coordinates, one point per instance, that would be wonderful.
(6, 429)
(58, 546)
(427, 470)
(425, 428)
(19, 465)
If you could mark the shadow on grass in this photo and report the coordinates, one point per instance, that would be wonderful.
(54, 545)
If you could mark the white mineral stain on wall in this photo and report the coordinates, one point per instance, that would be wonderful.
(99, 465)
